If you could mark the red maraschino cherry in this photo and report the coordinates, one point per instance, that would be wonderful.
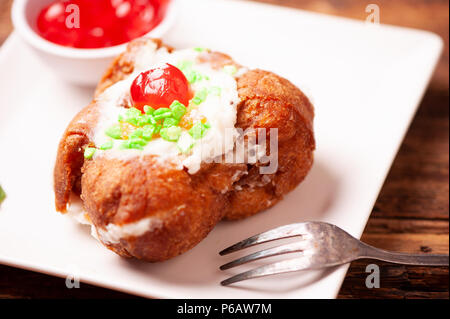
(160, 87)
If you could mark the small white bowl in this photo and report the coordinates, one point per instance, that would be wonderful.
(78, 66)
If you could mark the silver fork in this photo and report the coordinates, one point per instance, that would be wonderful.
(321, 245)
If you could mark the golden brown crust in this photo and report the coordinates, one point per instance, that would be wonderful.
(186, 207)
(269, 101)
(70, 159)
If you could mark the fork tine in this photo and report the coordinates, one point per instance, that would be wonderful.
(286, 231)
(275, 251)
(290, 265)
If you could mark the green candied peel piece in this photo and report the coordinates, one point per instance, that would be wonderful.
(145, 125)
(185, 143)
(137, 133)
(145, 119)
(149, 119)
(137, 139)
(148, 131)
(157, 129)
(200, 96)
(199, 130)
(114, 132)
(148, 109)
(193, 76)
(89, 152)
(2, 194)
(162, 113)
(134, 143)
(230, 69)
(107, 145)
(187, 67)
(171, 134)
(162, 110)
(198, 49)
(178, 110)
(132, 116)
(170, 121)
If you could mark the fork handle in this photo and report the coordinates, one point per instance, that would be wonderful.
(404, 259)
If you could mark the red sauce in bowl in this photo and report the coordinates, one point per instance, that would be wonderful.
(91, 24)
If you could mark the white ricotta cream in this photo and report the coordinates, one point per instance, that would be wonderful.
(76, 211)
(113, 233)
(218, 109)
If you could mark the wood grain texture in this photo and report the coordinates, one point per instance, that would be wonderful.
(412, 211)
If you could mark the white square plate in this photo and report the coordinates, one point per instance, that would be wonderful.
(365, 81)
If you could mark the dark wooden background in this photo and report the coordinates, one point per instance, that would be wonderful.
(412, 211)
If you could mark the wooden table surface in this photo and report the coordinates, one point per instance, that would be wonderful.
(412, 210)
